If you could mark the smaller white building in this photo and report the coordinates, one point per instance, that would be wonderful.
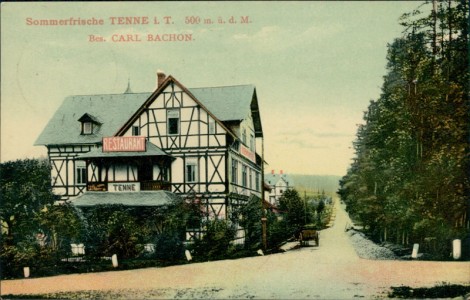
(278, 183)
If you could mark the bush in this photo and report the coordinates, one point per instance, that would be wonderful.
(277, 231)
(113, 230)
(251, 214)
(216, 242)
(169, 247)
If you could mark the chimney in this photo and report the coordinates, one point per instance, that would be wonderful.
(281, 172)
(272, 172)
(160, 77)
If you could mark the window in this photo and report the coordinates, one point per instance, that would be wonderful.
(244, 136)
(135, 130)
(257, 181)
(88, 124)
(250, 181)
(244, 176)
(173, 121)
(252, 143)
(211, 127)
(191, 171)
(87, 128)
(80, 173)
(234, 171)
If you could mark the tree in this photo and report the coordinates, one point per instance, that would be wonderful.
(25, 190)
(295, 209)
(251, 214)
(216, 241)
(412, 168)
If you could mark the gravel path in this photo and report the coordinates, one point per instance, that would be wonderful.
(366, 249)
(332, 271)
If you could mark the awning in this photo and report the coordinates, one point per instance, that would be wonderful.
(133, 199)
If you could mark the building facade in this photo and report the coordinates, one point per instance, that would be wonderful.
(197, 143)
(278, 184)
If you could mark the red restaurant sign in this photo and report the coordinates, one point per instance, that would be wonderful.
(124, 144)
(247, 153)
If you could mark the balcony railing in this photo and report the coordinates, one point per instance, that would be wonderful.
(155, 185)
(144, 186)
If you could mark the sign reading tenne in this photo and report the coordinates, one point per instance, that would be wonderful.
(123, 187)
(124, 144)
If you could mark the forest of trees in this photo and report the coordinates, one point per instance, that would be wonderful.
(409, 182)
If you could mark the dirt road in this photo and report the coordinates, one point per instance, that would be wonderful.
(331, 271)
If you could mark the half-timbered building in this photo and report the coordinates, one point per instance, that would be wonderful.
(198, 143)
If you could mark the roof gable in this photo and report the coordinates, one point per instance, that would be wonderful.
(274, 179)
(88, 118)
(170, 80)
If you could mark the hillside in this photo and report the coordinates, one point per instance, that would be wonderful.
(316, 183)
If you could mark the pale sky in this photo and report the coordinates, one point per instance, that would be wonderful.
(316, 66)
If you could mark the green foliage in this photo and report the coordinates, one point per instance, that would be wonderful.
(112, 230)
(278, 231)
(169, 247)
(411, 171)
(115, 229)
(296, 210)
(24, 190)
(251, 221)
(61, 225)
(216, 241)
(26, 203)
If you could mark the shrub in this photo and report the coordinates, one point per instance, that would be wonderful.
(169, 247)
(216, 242)
(112, 230)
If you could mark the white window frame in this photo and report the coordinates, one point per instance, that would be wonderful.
(173, 114)
(234, 171)
(87, 128)
(244, 176)
(80, 173)
(211, 127)
(191, 171)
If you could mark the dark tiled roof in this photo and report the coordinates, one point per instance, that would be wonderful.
(111, 111)
(227, 103)
(272, 179)
(146, 198)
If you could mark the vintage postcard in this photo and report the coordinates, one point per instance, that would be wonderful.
(196, 149)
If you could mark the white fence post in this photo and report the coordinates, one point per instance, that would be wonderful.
(114, 260)
(457, 248)
(414, 254)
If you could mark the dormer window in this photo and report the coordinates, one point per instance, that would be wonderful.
(89, 124)
(87, 128)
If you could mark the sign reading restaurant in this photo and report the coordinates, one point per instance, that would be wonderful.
(124, 144)
(247, 153)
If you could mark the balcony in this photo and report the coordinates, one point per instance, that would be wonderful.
(155, 186)
(123, 186)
